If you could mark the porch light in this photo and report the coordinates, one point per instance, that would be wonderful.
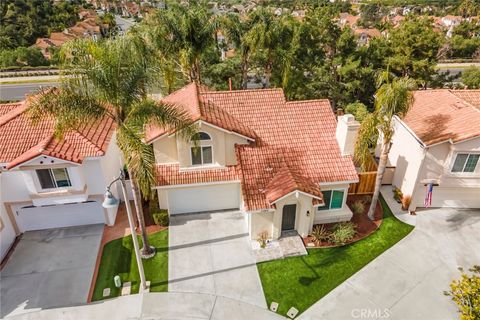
(110, 201)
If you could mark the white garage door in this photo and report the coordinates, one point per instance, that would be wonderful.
(453, 197)
(58, 216)
(205, 198)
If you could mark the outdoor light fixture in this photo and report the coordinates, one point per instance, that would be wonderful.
(111, 202)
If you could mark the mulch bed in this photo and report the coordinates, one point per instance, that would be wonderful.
(364, 226)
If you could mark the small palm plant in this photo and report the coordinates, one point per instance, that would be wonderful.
(111, 79)
(393, 98)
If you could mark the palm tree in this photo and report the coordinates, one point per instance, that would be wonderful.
(110, 79)
(267, 34)
(393, 98)
(182, 33)
(236, 29)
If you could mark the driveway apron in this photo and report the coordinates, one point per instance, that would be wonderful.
(211, 253)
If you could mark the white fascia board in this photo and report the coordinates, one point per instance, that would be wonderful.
(410, 131)
(325, 184)
(297, 192)
(224, 130)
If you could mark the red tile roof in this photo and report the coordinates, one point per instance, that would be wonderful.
(21, 140)
(199, 109)
(441, 115)
(170, 174)
(297, 135)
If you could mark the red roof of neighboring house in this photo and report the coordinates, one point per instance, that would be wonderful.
(295, 146)
(441, 115)
(21, 140)
(372, 32)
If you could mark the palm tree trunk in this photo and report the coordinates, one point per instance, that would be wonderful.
(137, 199)
(382, 164)
(245, 72)
(268, 74)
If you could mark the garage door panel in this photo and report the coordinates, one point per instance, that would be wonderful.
(204, 198)
(59, 216)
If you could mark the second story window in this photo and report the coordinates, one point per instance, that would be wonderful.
(465, 162)
(53, 178)
(202, 154)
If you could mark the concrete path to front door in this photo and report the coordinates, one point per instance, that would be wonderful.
(50, 268)
(211, 253)
(408, 280)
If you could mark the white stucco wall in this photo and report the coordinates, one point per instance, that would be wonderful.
(303, 223)
(175, 149)
(260, 222)
(406, 155)
(454, 189)
(7, 233)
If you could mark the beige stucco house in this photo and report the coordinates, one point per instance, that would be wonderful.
(285, 165)
(439, 142)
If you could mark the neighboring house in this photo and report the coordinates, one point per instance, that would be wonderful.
(365, 35)
(438, 142)
(47, 183)
(277, 161)
(346, 19)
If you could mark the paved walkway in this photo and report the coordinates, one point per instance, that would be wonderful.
(408, 280)
(396, 207)
(210, 253)
(50, 268)
(159, 306)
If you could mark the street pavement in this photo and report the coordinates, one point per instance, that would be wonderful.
(18, 91)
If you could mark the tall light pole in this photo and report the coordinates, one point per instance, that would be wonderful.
(110, 202)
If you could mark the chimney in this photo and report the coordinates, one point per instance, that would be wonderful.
(346, 133)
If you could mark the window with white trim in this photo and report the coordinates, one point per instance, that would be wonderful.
(333, 199)
(53, 178)
(465, 162)
(201, 155)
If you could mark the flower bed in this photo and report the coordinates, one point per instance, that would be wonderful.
(363, 225)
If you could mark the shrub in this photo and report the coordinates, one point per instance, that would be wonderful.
(343, 232)
(358, 207)
(406, 200)
(465, 292)
(160, 217)
(397, 194)
(320, 233)
(367, 199)
(263, 239)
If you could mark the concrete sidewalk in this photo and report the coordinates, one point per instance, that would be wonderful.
(158, 306)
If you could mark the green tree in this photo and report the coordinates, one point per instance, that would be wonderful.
(465, 292)
(358, 109)
(469, 8)
(471, 77)
(266, 36)
(393, 98)
(22, 56)
(110, 79)
(412, 50)
(23, 21)
(236, 30)
(182, 33)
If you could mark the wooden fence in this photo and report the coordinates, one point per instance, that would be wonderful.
(366, 180)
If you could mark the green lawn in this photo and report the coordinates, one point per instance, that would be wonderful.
(118, 259)
(301, 281)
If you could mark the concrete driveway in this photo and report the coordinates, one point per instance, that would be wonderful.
(407, 281)
(210, 253)
(50, 268)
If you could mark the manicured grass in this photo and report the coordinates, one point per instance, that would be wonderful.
(118, 259)
(301, 281)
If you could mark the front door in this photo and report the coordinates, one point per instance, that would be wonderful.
(288, 217)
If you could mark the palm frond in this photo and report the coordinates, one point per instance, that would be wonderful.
(69, 109)
(167, 116)
(366, 139)
(139, 158)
